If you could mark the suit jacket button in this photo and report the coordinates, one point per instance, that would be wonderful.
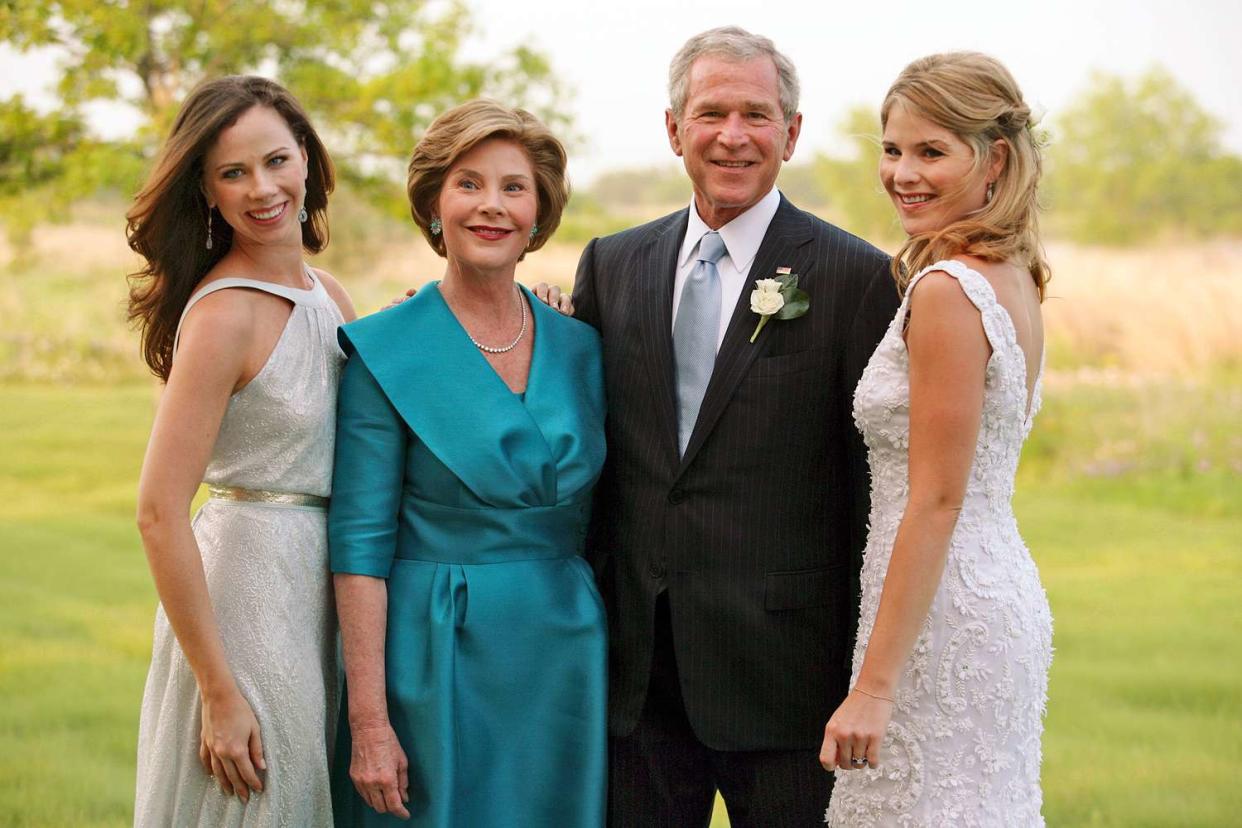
(656, 568)
(676, 496)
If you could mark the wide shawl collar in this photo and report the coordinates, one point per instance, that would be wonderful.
(784, 245)
(538, 452)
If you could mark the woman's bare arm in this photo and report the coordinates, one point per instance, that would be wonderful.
(211, 360)
(949, 353)
(378, 767)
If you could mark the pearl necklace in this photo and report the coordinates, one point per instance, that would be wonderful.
(521, 333)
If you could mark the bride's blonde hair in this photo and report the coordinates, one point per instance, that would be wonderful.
(976, 98)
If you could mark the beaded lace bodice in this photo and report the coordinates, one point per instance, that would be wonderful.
(963, 747)
(882, 407)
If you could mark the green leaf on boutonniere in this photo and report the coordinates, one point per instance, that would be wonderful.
(797, 302)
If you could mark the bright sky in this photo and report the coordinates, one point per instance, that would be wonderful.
(615, 55)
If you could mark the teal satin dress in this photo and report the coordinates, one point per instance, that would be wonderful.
(472, 502)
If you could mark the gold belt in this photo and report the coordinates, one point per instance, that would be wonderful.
(240, 495)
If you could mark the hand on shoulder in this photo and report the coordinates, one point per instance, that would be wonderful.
(553, 297)
(397, 300)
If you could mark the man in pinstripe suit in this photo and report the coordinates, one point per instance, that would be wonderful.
(730, 569)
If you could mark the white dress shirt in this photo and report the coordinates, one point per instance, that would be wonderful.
(742, 238)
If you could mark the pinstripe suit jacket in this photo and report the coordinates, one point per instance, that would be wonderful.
(756, 533)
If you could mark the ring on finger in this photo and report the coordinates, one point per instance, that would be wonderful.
(858, 762)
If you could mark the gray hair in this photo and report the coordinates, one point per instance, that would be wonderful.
(735, 44)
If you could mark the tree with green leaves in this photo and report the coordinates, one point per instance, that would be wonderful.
(48, 160)
(850, 183)
(1134, 160)
(372, 75)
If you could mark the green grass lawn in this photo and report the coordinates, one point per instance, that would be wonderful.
(1144, 573)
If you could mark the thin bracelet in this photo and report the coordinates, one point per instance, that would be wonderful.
(873, 695)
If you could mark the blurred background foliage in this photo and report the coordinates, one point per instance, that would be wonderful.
(1138, 159)
(372, 75)
(1131, 159)
(1128, 161)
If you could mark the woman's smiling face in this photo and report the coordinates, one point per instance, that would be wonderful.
(928, 172)
(255, 175)
(487, 206)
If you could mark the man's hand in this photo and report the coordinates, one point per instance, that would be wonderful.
(551, 296)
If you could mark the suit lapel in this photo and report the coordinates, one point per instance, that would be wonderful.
(658, 269)
(788, 231)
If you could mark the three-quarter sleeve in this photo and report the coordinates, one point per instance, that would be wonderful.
(367, 477)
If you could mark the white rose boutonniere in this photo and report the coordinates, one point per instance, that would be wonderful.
(778, 297)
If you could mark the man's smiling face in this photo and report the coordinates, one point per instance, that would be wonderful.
(732, 134)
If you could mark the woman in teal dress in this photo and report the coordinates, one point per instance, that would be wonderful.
(469, 437)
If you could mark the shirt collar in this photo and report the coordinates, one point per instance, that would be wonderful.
(742, 236)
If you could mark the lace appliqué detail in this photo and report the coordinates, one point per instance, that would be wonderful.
(963, 747)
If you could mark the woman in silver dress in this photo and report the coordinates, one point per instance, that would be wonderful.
(239, 707)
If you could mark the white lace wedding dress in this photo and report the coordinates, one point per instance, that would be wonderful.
(963, 747)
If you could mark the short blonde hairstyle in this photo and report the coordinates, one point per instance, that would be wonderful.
(461, 129)
(976, 98)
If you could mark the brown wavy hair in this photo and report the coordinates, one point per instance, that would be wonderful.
(167, 223)
(460, 130)
(975, 97)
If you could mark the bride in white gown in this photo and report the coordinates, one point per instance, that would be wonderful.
(943, 724)
(240, 702)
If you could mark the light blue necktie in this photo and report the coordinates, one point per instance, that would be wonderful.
(694, 335)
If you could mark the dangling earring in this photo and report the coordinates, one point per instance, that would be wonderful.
(210, 210)
(302, 216)
(987, 198)
(534, 229)
(436, 226)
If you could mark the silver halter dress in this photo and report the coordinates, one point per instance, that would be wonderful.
(263, 539)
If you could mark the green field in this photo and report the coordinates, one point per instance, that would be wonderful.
(1143, 568)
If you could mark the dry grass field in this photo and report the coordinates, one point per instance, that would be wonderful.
(1150, 312)
(1113, 315)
